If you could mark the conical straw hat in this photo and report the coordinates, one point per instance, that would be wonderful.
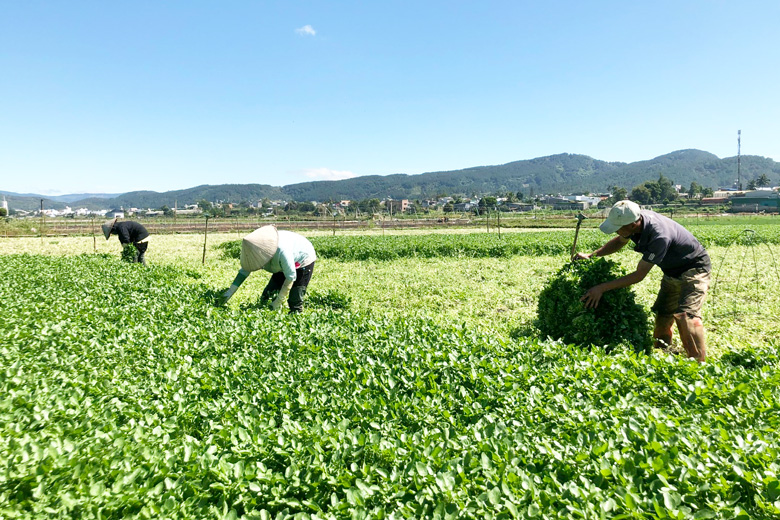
(258, 247)
(107, 227)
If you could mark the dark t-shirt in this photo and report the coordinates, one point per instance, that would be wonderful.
(130, 232)
(668, 245)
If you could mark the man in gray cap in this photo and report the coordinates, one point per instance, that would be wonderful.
(129, 232)
(683, 260)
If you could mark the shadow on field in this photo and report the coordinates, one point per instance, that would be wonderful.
(333, 300)
(213, 297)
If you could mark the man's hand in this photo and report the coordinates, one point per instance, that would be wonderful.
(276, 304)
(592, 297)
(582, 256)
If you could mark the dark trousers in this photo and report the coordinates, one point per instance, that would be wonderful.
(298, 290)
(141, 248)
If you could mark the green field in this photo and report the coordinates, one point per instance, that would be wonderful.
(413, 386)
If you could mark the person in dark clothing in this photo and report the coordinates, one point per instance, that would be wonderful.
(683, 260)
(129, 232)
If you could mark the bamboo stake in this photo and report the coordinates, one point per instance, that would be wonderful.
(205, 235)
(94, 241)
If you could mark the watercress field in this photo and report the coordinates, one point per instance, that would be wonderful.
(411, 387)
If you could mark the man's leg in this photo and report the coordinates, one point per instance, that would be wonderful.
(664, 308)
(691, 331)
(695, 284)
(662, 335)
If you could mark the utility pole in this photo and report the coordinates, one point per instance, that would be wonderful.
(739, 153)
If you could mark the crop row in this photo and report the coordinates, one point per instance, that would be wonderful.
(127, 394)
(483, 245)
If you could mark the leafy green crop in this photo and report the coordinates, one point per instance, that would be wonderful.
(129, 253)
(488, 245)
(331, 299)
(131, 396)
(617, 319)
(477, 245)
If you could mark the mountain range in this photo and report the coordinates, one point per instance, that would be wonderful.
(561, 173)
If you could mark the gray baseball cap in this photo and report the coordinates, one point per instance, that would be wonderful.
(622, 213)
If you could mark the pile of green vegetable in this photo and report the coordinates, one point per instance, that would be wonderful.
(618, 318)
(127, 394)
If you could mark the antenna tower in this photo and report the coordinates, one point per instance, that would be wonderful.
(739, 153)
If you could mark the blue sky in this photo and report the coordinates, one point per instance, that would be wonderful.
(120, 96)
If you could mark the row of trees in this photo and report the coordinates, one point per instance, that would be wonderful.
(660, 191)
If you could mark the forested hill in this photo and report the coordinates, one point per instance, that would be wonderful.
(563, 173)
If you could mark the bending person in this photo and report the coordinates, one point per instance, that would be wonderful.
(129, 232)
(288, 256)
(683, 260)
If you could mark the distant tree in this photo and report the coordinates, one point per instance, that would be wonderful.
(694, 190)
(519, 196)
(205, 205)
(752, 184)
(306, 207)
(488, 201)
(448, 208)
(666, 191)
(642, 194)
(655, 192)
(707, 192)
(368, 205)
(3, 212)
(762, 181)
(484, 205)
(166, 211)
(618, 194)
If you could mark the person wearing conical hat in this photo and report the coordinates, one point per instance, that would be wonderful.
(129, 232)
(683, 260)
(288, 256)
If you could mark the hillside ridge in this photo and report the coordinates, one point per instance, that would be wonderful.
(559, 173)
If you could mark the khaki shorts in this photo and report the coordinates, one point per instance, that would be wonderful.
(684, 294)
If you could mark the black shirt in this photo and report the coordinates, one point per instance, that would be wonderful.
(667, 244)
(129, 232)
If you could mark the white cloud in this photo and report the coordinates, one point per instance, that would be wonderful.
(306, 30)
(326, 174)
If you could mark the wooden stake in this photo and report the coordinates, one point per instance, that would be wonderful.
(205, 235)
